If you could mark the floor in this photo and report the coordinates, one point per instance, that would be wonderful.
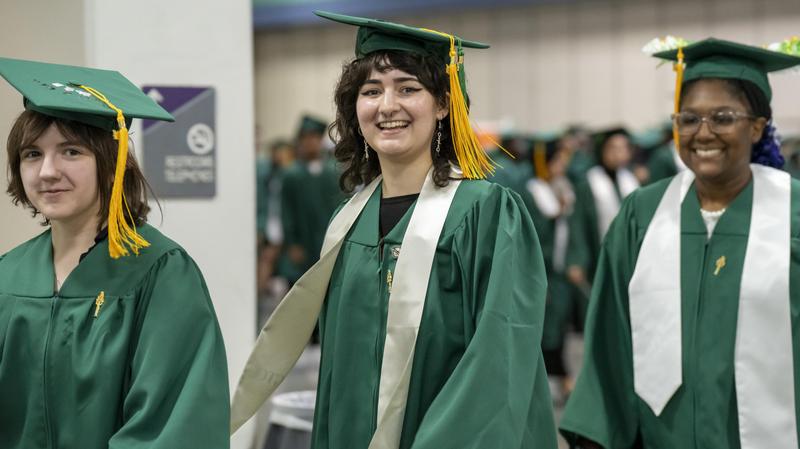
(304, 378)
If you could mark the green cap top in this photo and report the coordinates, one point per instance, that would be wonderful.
(311, 125)
(53, 89)
(716, 58)
(374, 35)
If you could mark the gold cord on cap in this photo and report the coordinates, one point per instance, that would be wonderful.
(121, 234)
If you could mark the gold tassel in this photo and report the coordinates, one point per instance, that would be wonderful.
(678, 67)
(540, 161)
(474, 162)
(120, 233)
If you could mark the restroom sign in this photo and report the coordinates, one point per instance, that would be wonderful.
(180, 158)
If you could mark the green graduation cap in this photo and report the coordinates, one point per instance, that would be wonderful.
(311, 125)
(716, 58)
(101, 98)
(376, 35)
(55, 90)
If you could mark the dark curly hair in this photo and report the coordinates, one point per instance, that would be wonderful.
(30, 125)
(349, 149)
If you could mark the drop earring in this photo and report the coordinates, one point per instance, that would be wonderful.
(439, 138)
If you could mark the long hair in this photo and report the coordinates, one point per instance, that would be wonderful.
(349, 149)
(30, 125)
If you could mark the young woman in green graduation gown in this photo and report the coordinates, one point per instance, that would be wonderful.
(691, 337)
(108, 337)
(597, 200)
(552, 198)
(431, 286)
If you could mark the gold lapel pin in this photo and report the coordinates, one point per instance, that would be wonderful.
(720, 265)
(98, 303)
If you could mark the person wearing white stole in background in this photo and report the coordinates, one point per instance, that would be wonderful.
(431, 287)
(597, 201)
(691, 335)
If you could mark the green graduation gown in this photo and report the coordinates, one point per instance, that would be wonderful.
(662, 163)
(579, 164)
(263, 172)
(559, 295)
(477, 380)
(703, 412)
(307, 202)
(148, 372)
(584, 236)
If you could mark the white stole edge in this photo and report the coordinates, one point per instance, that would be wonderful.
(605, 196)
(654, 301)
(764, 362)
(406, 304)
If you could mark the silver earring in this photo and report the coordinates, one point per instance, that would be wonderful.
(366, 150)
(439, 138)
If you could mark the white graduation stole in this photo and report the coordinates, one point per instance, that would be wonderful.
(763, 357)
(549, 205)
(605, 196)
(288, 330)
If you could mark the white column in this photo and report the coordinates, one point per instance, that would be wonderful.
(199, 43)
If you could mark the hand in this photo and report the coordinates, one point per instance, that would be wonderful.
(296, 254)
(576, 275)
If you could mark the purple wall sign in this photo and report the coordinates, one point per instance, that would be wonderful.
(180, 157)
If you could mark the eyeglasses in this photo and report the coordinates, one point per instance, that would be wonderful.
(719, 122)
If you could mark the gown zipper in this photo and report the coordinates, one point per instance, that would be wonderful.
(48, 337)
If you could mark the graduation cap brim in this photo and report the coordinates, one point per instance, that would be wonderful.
(717, 58)
(53, 89)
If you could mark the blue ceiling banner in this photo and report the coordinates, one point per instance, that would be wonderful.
(269, 14)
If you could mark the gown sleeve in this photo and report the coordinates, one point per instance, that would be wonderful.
(177, 392)
(289, 207)
(580, 224)
(497, 396)
(603, 406)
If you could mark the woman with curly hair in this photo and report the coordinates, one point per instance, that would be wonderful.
(431, 287)
(691, 334)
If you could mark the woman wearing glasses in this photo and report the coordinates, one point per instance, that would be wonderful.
(689, 333)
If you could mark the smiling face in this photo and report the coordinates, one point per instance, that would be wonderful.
(616, 152)
(397, 115)
(718, 157)
(60, 178)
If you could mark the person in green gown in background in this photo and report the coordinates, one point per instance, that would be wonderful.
(553, 199)
(108, 336)
(578, 141)
(309, 195)
(691, 336)
(597, 201)
(273, 263)
(664, 161)
(433, 300)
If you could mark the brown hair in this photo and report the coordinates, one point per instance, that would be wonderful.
(30, 125)
(349, 149)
